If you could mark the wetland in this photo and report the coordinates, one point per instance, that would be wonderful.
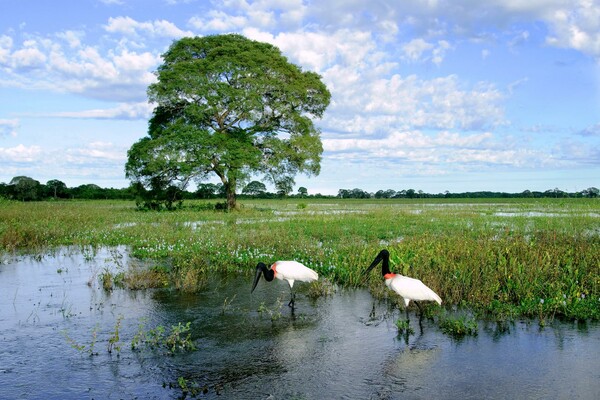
(102, 301)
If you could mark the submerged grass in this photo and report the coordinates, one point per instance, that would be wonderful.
(537, 258)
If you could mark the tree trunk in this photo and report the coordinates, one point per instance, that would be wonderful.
(230, 190)
(231, 204)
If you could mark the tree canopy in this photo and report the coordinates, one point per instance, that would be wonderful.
(229, 106)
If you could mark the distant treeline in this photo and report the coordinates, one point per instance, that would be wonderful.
(24, 188)
(418, 194)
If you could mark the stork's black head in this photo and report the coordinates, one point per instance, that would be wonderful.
(261, 268)
(384, 256)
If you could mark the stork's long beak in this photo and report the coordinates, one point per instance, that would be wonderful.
(376, 261)
(259, 270)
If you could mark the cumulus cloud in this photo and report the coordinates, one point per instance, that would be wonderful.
(576, 26)
(415, 48)
(130, 27)
(20, 154)
(218, 21)
(113, 75)
(454, 150)
(382, 108)
(396, 102)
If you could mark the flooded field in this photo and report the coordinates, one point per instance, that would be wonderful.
(57, 325)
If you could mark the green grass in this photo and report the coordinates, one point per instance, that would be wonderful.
(504, 258)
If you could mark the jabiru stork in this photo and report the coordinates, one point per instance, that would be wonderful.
(289, 271)
(409, 288)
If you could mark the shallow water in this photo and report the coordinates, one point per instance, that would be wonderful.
(329, 348)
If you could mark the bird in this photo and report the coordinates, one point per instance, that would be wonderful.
(290, 271)
(409, 288)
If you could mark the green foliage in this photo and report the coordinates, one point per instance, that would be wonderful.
(176, 339)
(497, 258)
(320, 288)
(404, 327)
(114, 339)
(221, 102)
(458, 326)
(274, 312)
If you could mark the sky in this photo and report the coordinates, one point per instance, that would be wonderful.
(431, 95)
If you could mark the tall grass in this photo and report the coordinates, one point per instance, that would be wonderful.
(535, 258)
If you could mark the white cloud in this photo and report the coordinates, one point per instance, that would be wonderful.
(72, 38)
(126, 111)
(112, 75)
(6, 43)
(397, 102)
(8, 127)
(415, 49)
(28, 57)
(130, 27)
(576, 27)
(20, 153)
(591, 131)
(455, 151)
(218, 21)
(96, 151)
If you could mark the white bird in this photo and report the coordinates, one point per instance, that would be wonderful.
(290, 271)
(409, 288)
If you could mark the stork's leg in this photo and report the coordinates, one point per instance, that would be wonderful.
(420, 309)
(292, 299)
(407, 318)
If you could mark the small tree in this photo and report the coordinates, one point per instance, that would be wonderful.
(56, 188)
(255, 188)
(284, 186)
(302, 191)
(207, 190)
(233, 107)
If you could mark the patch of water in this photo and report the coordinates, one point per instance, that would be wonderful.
(542, 214)
(332, 347)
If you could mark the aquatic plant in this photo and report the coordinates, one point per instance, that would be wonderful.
(114, 339)
(404, 327)
(227, 304)
(497, 257)
(90, 348)
(177, 338)
(458, 325)
(320, 288)
(274, 312)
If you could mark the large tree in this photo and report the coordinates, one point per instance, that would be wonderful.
(233, 107)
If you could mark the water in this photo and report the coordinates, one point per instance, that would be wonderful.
(329, 348)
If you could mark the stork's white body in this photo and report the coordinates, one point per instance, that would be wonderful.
(410, 289)
(292, 271)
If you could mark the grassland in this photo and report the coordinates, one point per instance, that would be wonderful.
(504, 258)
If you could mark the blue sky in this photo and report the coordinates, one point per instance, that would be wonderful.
(428, 95)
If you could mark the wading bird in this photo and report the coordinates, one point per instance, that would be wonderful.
(409, 288)
(290, 271)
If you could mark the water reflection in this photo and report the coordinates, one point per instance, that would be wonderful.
(344, 346)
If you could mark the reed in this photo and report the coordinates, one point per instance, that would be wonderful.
(537, 258)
